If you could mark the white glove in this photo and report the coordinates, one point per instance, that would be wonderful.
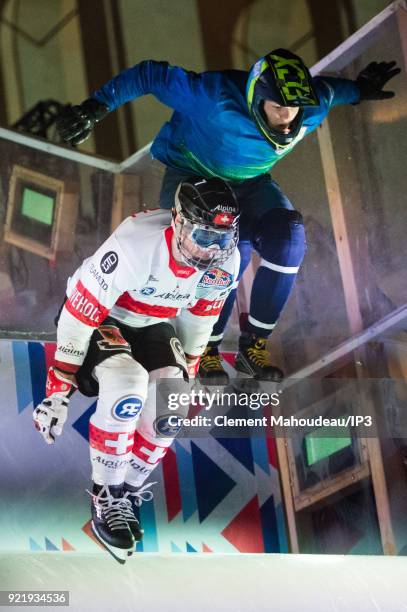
(50, 416)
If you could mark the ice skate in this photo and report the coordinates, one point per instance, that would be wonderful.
(132, 499)
(253, 360)
(211, 371)
(109, 521)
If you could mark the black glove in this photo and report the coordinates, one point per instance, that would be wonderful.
(75, 123)
(373, 78)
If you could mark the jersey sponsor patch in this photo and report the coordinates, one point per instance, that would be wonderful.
(207, 308)
(214, 278)
(94, 272)
(85, 307)
(127, 407)
(69, 349)
(109, 262)
(148, 290)
(173, 295)
(112, 339)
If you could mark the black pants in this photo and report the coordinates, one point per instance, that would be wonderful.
(154, 346)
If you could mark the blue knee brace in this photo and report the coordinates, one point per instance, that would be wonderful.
(280, 242)
(280, 237)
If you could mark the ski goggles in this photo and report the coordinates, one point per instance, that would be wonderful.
(202, 246)
(208, 237)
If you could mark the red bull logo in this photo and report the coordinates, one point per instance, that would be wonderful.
(216, 277)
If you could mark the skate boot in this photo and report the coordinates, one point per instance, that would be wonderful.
(253, 359)
(211, 371)
(109, 522)
(133, 498)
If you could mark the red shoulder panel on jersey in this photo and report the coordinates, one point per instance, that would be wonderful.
(85, 307)
(205, 308)
(148, 310)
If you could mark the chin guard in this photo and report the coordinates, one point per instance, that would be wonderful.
(280, 76)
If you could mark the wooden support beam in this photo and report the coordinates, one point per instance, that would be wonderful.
(401, 15)
(356, 326)
(285, 480)
(381, 496)
(126, 198)
(339, 228)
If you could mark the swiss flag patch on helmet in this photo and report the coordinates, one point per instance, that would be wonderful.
(224, 219)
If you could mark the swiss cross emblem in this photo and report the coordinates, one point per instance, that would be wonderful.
(146, 451)
(122, 445)
(110, 442)
(223, 219)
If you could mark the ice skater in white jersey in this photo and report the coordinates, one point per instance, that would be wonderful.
(114, 339)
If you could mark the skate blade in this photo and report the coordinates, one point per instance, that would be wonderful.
(119, 554)
(209, 383)
(245, 384)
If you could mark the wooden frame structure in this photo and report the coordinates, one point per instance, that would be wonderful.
(356, 348)
(305, 497)
(372, 466)
(370, 448)
(126, 198)
(65, 213)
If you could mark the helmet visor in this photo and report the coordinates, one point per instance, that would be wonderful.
(203, 246)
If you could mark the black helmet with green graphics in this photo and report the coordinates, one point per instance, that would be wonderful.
(282, 77)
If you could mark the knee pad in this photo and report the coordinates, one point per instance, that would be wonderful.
(123, 387)
(152, 416)
(122, 392)
(280, 238)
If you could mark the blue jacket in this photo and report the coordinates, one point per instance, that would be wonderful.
(211, 131)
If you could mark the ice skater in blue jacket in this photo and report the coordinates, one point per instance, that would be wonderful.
(236, 125)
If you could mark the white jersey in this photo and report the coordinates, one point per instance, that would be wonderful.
(134, 278)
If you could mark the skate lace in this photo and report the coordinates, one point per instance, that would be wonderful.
(211, 361)
(128, 511)
(142, 494)
(259, 354)
(112, 508)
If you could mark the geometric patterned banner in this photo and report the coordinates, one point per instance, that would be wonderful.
(212, 495)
